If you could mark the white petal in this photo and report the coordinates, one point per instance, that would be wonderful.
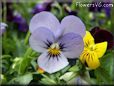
(52, 64)
(44, 19)
(73, 24)
(40, 38)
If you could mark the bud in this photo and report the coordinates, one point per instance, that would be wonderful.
(40, 70)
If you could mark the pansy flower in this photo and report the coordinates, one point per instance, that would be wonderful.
(92, 52)
(56, 41)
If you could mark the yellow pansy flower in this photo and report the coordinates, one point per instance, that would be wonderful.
(92, 52)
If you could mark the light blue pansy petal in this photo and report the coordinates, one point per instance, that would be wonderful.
(41, 38)
(73, 24)
(44, 19)
(52, 64)
(72, 45)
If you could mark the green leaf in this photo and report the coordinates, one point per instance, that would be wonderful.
(75, 68)
(107, 62)
(47, 80)
(23, 65)
(23, 80)
(65, 69)
(25, 62)
(2, 79)
(102, 76)
(68, 76)
(6, 44)
(15, 65)
(105, 72)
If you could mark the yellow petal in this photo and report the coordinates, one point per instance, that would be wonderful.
(88, 39)
(92, 60)
(100, 48)
(83, 55)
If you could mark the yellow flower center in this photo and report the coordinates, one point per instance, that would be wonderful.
(91, 47)
(54, 50)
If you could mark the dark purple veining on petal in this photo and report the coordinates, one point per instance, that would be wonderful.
(101, 35)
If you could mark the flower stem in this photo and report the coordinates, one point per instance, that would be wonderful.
(27, 38)
(28, 52)
(87, 77)
(26, 61)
